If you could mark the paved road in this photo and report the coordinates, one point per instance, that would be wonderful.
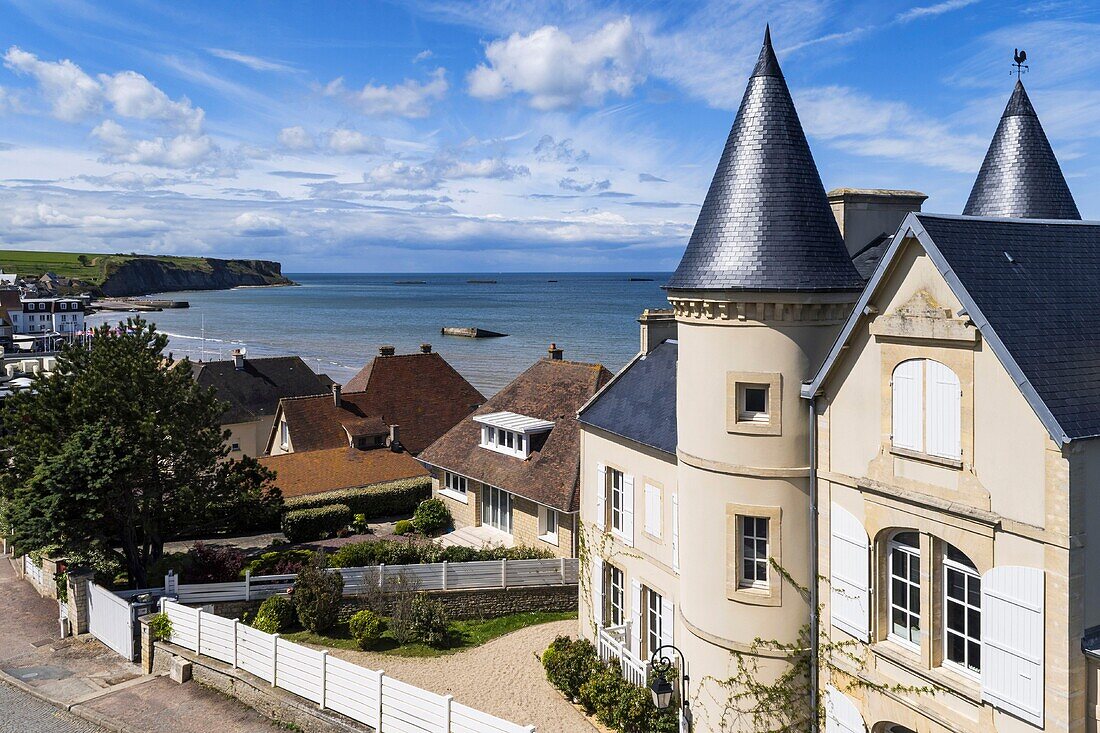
(23, 713)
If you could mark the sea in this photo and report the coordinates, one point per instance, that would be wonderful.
(337, 321)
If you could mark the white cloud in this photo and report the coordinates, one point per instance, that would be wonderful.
(296, 138)
(44, 215)
(72, 94)
(131, 180)
(549, 150)
(486, 168)
(181, 151)
(422, 56)
(928, 11)
(571, 184)
(650, 178)
(132, 95)
(253, 224)
(350, 142)
(9, 102)
(410, 98)
(556, 71)
(399, 174)
(253, 62)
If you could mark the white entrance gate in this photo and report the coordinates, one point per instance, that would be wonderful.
(110, 620)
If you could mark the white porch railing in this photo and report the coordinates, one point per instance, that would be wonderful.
(613, 643)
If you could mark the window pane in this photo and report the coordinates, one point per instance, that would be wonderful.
(974, 649)
(899, 622)
(747, 570)
(956, 648)
(756, 399)
(956, 585)
(955, 616)
(974, 592)
(897, 589)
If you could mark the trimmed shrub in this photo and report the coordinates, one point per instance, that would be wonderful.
(210, 564)
(394, 552)
(366, 628)
(429, 620)
(431, 516)
(317, 595)
(377, 500)
(160, 627)
(403, 527)
(306, 525)
(276, 615)
(281, 562)
(569, 664)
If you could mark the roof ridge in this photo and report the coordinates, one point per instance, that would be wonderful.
(1010, 219)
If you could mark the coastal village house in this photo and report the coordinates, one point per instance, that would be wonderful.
(955, 412)
(957, 418)
(509, 472)
(335, 469)
(408, 399)
(48, 316)
(252, 389)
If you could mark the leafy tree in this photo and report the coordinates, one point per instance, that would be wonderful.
(119, 450)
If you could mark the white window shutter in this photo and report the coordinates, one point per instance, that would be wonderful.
(601, 495)
(652, 510)
(635, 617)
(668, 621)
(628, 510)
(676, 533)
(849, 566)
(943, 407)
(1012, 641)
(907, 390)
(597, 590)
(841, 714)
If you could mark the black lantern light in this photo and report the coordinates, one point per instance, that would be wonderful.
(661, 686)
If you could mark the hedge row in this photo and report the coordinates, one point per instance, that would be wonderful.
(306, 525)
(398, 552)
(376, 500)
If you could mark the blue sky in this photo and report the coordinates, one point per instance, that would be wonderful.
(491, 136)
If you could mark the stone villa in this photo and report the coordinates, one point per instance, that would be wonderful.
(946, 376)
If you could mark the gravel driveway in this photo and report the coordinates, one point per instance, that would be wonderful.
(502, 677)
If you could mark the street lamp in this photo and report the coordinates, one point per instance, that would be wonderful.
(661, 687)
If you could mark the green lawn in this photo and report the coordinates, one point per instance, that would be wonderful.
(70, 264)
(463, 634)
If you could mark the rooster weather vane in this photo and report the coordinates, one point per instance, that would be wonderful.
(1020, 56)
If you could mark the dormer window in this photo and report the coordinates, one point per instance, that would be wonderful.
(510, 433)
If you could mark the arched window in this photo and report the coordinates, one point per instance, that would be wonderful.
(962, 612)
(904, 571)
(926, 408)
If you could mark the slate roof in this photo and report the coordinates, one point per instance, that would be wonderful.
(766, 223)
(319, 471)
(1030, 286)
(550, 389)
(255, 390)
(640, 402)
(421, 393)
(1020, 177)
(867, 259)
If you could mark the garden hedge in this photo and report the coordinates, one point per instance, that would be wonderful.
(376, 500)
(306, 525)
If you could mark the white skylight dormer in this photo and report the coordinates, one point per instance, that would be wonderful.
(510, 433)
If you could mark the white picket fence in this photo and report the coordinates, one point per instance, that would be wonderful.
(430, 576)
(365, 695)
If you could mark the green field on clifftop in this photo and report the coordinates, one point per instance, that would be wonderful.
(90, 267)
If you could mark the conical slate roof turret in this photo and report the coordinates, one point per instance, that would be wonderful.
(765, 223)
(1020, 177)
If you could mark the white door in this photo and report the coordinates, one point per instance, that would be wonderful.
(110, 620)
(496, 508)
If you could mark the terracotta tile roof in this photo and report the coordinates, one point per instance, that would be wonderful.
(549, 390)
(315, 472)
(256, 389)
(421, 393)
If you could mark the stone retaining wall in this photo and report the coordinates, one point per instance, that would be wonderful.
(460, 604)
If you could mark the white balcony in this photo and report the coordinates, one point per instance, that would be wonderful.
(613, 643)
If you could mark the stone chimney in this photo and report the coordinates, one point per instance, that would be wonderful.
(425, 348)
(864, 214)
(658, 324)
(238, 359)
(386, 350)
(554, 352)
(336, 394)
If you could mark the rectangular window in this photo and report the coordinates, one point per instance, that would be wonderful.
(492, 435)
(548, 525)
(509, 439)
(284, 435)
(752, 403)
(615, 608)
(652, 510)
(454, 483)
(962, 615)
(754, 552)
(905, 589)
(652, 621)
(615, 493)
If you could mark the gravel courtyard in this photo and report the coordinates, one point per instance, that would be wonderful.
(502, 677)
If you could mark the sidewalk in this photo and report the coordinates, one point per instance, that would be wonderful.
(86, 678)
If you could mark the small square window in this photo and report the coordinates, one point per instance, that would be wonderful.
(752, 403)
